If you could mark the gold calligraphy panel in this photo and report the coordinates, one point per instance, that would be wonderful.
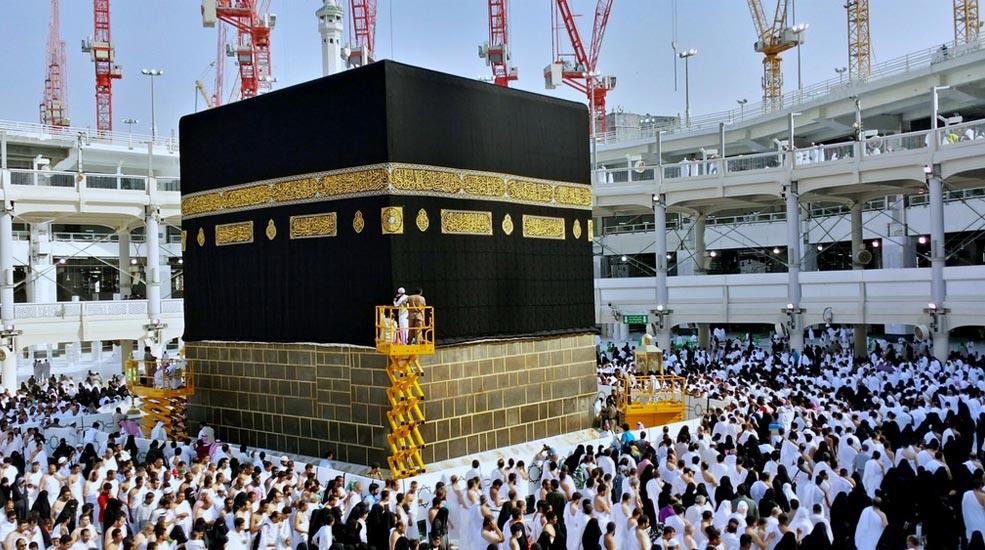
(466, 222)
(543, 227)
(394, 178)
(234, 233)
(314, 226)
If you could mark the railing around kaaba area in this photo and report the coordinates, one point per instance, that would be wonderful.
(405, 330)
(403, 333)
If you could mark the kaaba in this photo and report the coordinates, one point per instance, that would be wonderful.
(305, 208)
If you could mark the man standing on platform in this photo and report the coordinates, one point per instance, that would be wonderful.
(400, 301)
(415, 306)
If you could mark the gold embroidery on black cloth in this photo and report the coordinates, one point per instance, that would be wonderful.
(201, 237)
(508, 224)
(234, 233)
(314, 226)
(357, 222)
(591, 230)
(466, 222)
(392, 220)
(422, 220)
(543, 227)
(391, 178)
(576, 229)
(184, 240)
(271, 230)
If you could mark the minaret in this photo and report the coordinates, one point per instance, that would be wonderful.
(330, 27)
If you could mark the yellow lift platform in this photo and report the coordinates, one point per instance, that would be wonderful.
(402, 341)
(163, 389)
(653, 400)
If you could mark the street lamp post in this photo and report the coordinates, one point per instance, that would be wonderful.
(742, 107)
(841, 74)
(685, 55)
(152, 73)
(130, 122)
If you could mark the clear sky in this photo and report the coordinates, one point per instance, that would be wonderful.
(443, 35)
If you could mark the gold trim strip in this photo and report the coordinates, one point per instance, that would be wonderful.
(543, 227)
(390, 178)
(314, 226)
(234, 233)
(466, 222)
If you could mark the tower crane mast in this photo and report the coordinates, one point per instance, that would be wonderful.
(253, 23)
(496, 51)
(859, 45)
(100, 48)
(362, 32)
(578, 68)
(967, 23)
(54, 96)
(773, 38)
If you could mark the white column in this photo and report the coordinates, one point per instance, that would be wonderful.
(701, 268)
(41, 287)
(861, 330)
(660, 250)
(700, 261)
(124, 249)
(8, 371)
(793, 265)
(938, 288)
(152, 271)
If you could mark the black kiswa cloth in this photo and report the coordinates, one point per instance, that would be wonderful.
(323, 290)
(385, 112)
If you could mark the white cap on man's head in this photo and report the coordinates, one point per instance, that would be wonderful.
(401, 290)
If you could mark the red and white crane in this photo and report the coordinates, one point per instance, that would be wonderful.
(53, 99)
(496, 51)
(362, 32)
(578, 68)
(100, 47)
(253, 23)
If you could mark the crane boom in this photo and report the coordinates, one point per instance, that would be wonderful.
(758, 18)
(967, 23)
(582, 74)
(252, 50)
(602, 10)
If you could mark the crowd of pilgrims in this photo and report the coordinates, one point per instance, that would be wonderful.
(812, 450)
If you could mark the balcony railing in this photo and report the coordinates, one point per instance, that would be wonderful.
(122, 182)
(64, 310)
(918, 60)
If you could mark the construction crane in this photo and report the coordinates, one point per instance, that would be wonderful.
(578, 68)
(362, 33)
(496, 51)
(205, 96)
(53, 107)
(966, 21)
(859, 46)
(772, 40)
(100, 48)
(253, 24)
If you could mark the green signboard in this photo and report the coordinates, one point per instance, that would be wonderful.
(634, 319)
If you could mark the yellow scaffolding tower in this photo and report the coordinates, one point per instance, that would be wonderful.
(163, 390)
(403, 333)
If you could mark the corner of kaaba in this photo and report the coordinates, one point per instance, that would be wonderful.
(306, 208)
